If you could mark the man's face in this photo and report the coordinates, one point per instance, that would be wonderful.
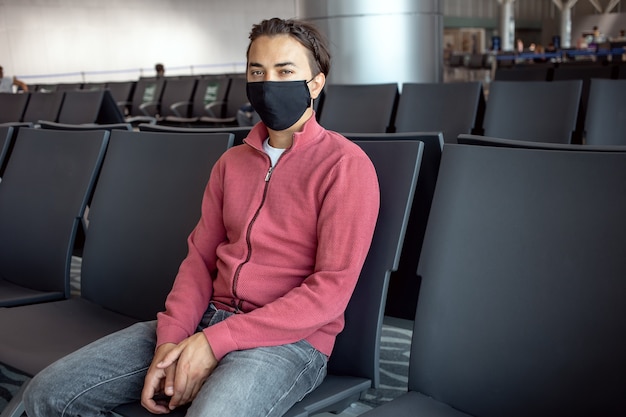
(282, 58)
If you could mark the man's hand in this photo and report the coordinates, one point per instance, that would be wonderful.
(154, 383)
(179, 372)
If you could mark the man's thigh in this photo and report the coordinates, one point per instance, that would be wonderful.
(260, 382)
(97, 377)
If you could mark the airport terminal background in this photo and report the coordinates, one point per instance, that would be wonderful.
(63, 41)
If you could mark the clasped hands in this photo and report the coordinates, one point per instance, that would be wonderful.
(177, 373)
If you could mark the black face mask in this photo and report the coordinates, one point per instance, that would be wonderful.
(279, 104)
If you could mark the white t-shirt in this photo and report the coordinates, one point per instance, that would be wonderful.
(274, 153)
(6, 85)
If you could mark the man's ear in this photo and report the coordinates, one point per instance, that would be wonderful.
(316, 85)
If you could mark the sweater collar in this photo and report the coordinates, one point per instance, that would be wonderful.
(311, 132)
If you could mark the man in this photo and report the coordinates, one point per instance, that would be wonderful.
(7, 83)
(255, 308)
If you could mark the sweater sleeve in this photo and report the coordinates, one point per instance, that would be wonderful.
(345, 228)
(193, 287)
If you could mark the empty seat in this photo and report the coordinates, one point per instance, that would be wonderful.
(585, 73)
(605, 121)
(43, 194)
(521, 310)
(43, 106)
(92, 106)
(12, 107)
(225, 114)
(122, 92)
(210, 94)
(539, 111)
(404, 282)
(146, 202)
(359, 108)
(178, 90)
(450, 108)
(147, 91)
(239, 132)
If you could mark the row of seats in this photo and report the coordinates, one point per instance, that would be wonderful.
(143, 190)
(211, 100)
(71, 107)
(576, 109)
(520, 306)
(583, 70)
(555, 111)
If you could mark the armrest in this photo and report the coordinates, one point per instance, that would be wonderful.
(149, 105)
(214, 107)
(176, 106)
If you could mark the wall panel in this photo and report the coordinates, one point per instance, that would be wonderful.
(123, 37)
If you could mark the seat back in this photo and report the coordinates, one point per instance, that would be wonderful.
(605, 122)
(210, 89)
(147, 90)
(450, 108)
(404, 282)
(357, 348)
(510, 143)
(122, 92)
(87, 126)
(69, 86)
(89, 106)
(237, 96)
(145, 204)
(526, 73)
(521, 310)
(176, 91)
(362, 108)
(12, 107)
(585, 73)
(533, 110)
(43, 194)
(43, 106)
(6, 140)
(239, 132)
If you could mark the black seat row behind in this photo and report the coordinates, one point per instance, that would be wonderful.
(573, 110)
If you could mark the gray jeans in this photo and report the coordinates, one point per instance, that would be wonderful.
(110, 371)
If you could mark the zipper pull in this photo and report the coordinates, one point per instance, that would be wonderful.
(269, 174)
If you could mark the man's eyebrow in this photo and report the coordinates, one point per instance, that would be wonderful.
(285, 64)
(277, 65)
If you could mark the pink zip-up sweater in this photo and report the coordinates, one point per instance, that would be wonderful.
(282, 246)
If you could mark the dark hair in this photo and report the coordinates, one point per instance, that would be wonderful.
(305, 33)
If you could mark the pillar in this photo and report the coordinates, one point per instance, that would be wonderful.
(566, 27)
(374, 41)
(507, 24)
